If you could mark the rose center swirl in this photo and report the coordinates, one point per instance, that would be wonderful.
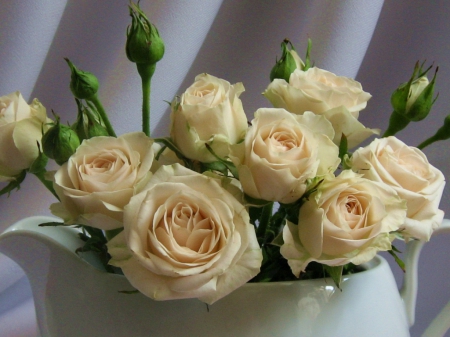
(187, 233)
(283, 141)
(352, 210)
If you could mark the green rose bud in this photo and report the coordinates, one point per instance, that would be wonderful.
(89, 123)
(288, 62)
(60, 142)
(83, 84)
(412, 101)
(144, 45)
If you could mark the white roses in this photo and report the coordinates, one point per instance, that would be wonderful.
(209, 112)
(100, 178)
(184, 237)
(21, 127)
(282, 151)
(195, 231)
(348, 219)
(406, 170)
(317, 90)
(338, 98)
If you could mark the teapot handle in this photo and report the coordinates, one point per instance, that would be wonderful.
(408, 290)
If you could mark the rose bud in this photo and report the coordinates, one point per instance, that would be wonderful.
(88, 122)
(144, 45)
(83, 84)
(412, 101)
(288, 62)
(60, 142)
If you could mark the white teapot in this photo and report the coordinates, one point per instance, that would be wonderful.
(74, 297)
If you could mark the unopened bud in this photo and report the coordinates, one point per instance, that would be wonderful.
(412, 101)
(414, 98)
(288, 62)
(89, 123)
(144, 45)
(60, 142)
(83, 84)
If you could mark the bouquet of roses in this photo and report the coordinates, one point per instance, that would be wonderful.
(224, 201)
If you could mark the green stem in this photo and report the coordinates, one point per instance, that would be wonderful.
(48, 184)
(397, 122)
(94, 99)
(442, 133)
(427, 142)
(264, 222)
(146, 106)
(146, 72)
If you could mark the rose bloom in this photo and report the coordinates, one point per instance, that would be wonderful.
(317, 90)
(344, 122)
(348, 219)
(99, 179)
(282, 151)
(209, 112)
(407, 170)
(21, 127)
(186, 237)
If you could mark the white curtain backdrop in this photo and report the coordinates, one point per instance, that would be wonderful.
(376, 41)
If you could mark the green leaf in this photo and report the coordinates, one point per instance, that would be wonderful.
(278, 240)
(95, 241)
(343, 147)
(167, 141)
(52, 224)
(274, 266)
(275, 228)
(308, 56)
(264, 220)
(256, 202)
(292, 210)
(14, 184)
(335, 273)
(228, 164)
(39, 164)
(160, 152)
(215, 166)
(255, 214)
(397, 259)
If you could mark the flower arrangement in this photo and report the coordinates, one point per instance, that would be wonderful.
(223, 201)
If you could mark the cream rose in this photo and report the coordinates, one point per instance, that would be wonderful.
(348, 219)
(407, 170)
(282, 151)
(317, 90)
(99, 179)
(345, 123)
(186, 237)
(209, 112)
(21, 127)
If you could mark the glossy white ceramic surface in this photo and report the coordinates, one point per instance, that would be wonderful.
(73, 298)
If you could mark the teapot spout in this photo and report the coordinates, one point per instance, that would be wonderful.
(38, 251)
(31, 246)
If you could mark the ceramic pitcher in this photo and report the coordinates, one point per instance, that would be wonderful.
(75, 297)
